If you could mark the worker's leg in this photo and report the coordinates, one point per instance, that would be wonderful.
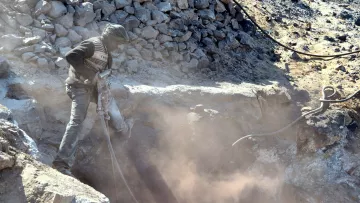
(80, 103)
(117, 120)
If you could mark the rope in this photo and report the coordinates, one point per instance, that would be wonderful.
(325, 104)
(286, 47)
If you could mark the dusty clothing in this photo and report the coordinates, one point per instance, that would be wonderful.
(92, 56)
(81, 97)
(86, 60)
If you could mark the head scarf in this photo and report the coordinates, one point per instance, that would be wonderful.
(115, 31)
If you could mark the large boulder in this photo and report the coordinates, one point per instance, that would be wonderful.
(143, 14)
(149, 33)
(24, 19)
(67, 20)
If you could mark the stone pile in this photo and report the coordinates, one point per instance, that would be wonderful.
(180, 32)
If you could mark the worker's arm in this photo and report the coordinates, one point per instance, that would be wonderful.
(76, 57)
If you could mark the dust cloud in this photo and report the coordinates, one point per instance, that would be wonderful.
(195, 157)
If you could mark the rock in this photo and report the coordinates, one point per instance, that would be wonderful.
(246, 39)
(48, 27)
(159, 16)
(175, 56)
(122, 3)
(342, 38)
(107, 8)
(84, 32)
(42, 63)
(32, 40)
(164, 6)
(149, 33)
(295, 56)
(345, 15)
(199, 53)
(132, 66)
(23, 7)
(62, 42)
(61, 63)
(357, 21)
(129, 10)
(143, 14)
(84, 14)
(203, 63)
(24, 19)
(42, 7)
(186, 37)
(4, 73)
(64, 50)
(146, 54)
(132, 52)
(39, 48)
(6, 161)
(57, 9)
(39, 32)
(157, 55)
(67, 20)
(183, 4)
(60, 31)
(201, 4)
(74, 37)
(163, 28)
(120, 16)
(20, 50)
(207, 14)
(10, 42)
(131, 22)
(220, 7)
(164, 38)
(235, 24)
(27, 56)
(219, 35)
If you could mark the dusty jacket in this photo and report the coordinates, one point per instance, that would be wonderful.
(84, 64)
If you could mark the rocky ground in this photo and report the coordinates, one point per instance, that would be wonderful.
(197, 75)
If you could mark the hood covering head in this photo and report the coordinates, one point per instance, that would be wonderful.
(115, 31)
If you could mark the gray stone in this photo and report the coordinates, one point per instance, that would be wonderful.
(151, 22)
(42, 63)
(24, 19)
(4, 73)
(10, 42)
(183, 4)
(64, 50)
(39, 32)
(67, 20)
(157, 55)
(57, 9)
(119, 16)
(48, 27)
(164, 6)
(129, 10)
(207, 14)
(159, 16)
(38, 48)
(42, 7)
(246, 39)
(163, 28)
(84, 14)
(23, 7)
(235, 24)
(132, 66)
(61, 63)
(219, 35)
(201, 4)
(122, 3)
(186, 37)
(74, 37)
(107, 8)
(32, 40)
(60, 31)
(220, 7)
(176, 56)
(182, 46)
(83, 32)
(27, 56)
(118, 61)
(146, 54)
(131, 22)
(164, 38)
(9, 20)
(142, 14)
(20, 50)
(132, 52)
(6, 161)
(170, 46)
(149, 33)
(62, 42)
(203, 63)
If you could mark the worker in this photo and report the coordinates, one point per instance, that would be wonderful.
(87, 61)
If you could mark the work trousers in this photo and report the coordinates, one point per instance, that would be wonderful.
(81, 98)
